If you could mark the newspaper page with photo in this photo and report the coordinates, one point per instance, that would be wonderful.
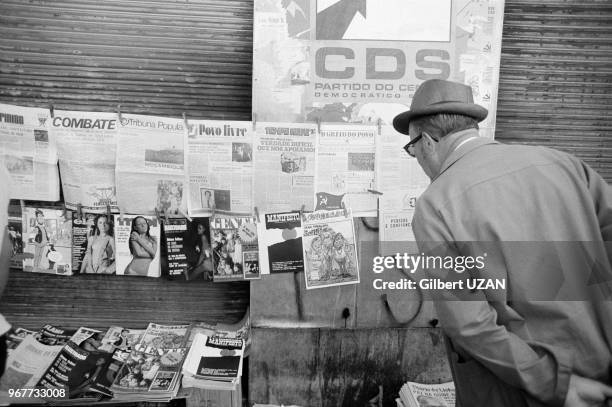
(47, 239)
(219, 166)
(330, 249)
(150, 169)
(395, 221)
(86, 148)
(395, 169)
(284, 166)
(280, 243)
(233, 240)
(137, 241)
(418, 395)
(346, 169)
(30, 153)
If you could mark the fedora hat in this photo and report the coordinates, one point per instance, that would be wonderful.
(439, 96)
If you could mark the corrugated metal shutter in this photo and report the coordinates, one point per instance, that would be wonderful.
(152, 57)
(556, 78)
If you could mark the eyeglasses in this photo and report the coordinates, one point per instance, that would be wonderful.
(410, 147)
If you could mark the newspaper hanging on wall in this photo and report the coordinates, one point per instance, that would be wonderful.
(219, 167)
(395, 221)
(150, 169)
(346, 169)
(395, 169)
(86, 147)
(284, 166)
(358, 61)
(29, 152)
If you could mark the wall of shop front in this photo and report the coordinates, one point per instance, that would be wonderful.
(195, 57)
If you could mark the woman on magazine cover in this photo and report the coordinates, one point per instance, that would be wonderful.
(143, 247)
(100, 255)
(40, 240)
(204, 264)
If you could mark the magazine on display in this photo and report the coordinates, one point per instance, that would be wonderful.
(417, 394)
(29, 152)
(27, 363)
(215, 358)
(345, 172)
(284, 166)
(188, 248)
(150, 169)
(330, 249)
(280, 244)
(152, 369)
(86, 148)
(137, 241)
(15, 235)
(47, 239)
(159, 336)
(234, 247)
(78, 364)
(219, 167)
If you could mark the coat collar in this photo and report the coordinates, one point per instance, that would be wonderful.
(467, 147)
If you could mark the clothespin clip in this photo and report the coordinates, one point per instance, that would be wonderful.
(80, 211)
(373, 191)
(318, 125)
(379, 124)
(185, 121)
(51, 110)
(108, 212)
(343, 206)
(22, 204)
(256, 211)
(214, 208)
(157, 215)
(184, 215)
(165, 213)
(254, 118)
(120, 216)
(119, 113)
(302, 209)
(64, 210)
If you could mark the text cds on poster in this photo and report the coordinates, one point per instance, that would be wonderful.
(357, 62)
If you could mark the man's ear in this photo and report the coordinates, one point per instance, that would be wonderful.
(428, 142)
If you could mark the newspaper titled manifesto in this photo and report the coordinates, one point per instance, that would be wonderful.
(219, 167)
(29, 152)
(346, 169)
(86, 147)
(284, 166)
(150, 168)
(395, 169)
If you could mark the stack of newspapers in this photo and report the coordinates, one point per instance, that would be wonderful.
(214, 362)
(417, 395)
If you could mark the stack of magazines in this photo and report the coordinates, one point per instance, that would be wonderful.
(417, 395)
(214, 362)
(152, 369)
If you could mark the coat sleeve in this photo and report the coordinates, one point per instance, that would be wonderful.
(541, 370)
(601, 193)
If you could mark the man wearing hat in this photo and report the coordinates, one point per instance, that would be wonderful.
(523, 347)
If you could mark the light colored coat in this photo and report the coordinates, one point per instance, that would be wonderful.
(543, 216)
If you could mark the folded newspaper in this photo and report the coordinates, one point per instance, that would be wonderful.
(427, 395)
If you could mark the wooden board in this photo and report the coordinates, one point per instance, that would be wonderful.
(328, 367)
